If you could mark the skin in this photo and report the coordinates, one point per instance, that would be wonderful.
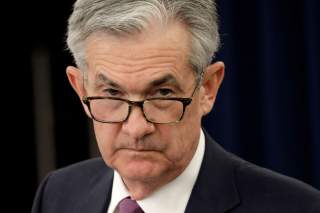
(146, 155)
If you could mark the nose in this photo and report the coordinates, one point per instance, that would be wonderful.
(136, 126)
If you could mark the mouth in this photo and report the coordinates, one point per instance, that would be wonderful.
(138, 150)
(138, 154)
(140, 147)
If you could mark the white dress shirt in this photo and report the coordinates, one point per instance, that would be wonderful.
(172, 197)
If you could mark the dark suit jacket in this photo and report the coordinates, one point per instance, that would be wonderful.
(225, 184)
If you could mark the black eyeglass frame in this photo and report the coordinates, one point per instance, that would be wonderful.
(185, 102)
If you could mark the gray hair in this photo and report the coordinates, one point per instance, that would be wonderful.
(125, 17)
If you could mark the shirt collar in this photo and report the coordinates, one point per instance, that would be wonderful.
(172, 197)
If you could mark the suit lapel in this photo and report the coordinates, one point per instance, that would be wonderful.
(98, 199)
(215, 189)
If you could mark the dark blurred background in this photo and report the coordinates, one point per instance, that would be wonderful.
(267, 111)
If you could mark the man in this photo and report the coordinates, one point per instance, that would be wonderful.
(144, 77)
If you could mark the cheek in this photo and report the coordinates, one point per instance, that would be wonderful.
(192, 119)
(183, 137)
(106, 134)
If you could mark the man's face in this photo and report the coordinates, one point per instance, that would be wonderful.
(151, 64)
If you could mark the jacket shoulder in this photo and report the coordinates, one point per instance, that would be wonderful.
(272, 191)
(81, 171)
(65, 189)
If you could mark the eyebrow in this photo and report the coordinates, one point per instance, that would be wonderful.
(102, 79)
(168, 78)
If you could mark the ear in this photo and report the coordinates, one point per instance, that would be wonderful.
(212, 80)
(75, 79)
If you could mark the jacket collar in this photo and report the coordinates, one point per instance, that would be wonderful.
(215, 188)
(98, 198)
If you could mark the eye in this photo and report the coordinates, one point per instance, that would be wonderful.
(165, 92)
(112, 92)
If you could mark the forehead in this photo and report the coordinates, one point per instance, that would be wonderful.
(143, 55)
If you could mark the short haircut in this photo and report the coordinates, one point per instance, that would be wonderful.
(126, 17)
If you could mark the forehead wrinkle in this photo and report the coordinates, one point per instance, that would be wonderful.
(98, 54)
(130, 49)
(126, 64)
(113, 67)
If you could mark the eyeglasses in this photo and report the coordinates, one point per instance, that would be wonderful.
(155, 110)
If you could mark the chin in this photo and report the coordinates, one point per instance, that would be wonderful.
(141, 166)
(142, 170)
